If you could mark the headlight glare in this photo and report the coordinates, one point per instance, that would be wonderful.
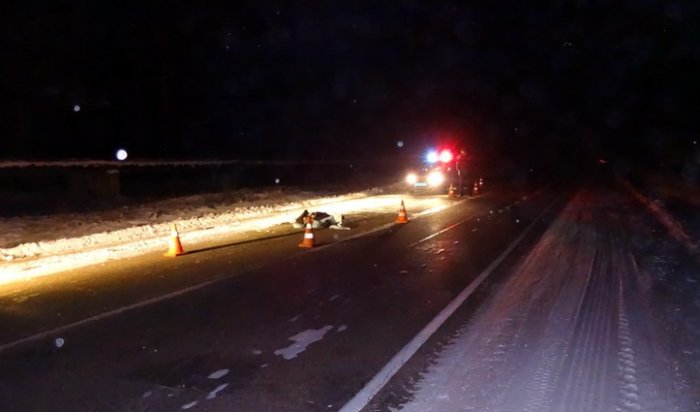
(436, 178)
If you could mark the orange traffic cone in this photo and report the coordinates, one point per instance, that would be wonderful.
(475, 190)
(175, 247)
(481, 181)
(403, 217)
(308, 233)
(452, 191)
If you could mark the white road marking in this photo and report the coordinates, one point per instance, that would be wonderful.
(189, 405)
(362, 398)
(301, 341)
(218, 374)
(441, 231)
(448, 228)
(218, 389)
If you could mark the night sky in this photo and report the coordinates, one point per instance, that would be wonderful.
(271, 80)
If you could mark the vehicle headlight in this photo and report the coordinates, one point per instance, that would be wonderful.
(411, 178)
(436, 178)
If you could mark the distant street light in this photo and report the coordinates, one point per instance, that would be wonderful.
(122, 154)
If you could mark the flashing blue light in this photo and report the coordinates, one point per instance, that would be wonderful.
(432, 156)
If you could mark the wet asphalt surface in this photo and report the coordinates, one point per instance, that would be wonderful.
(211, 330)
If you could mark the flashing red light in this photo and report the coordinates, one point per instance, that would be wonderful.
(446, 156)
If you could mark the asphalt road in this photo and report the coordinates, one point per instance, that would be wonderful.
(255, 324)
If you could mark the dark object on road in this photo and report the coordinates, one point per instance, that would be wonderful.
(320, 220)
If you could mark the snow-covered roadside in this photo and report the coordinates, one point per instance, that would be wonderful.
(579, 325)
(683, 233)
(671, 267)
(40, 245)
(46, 235)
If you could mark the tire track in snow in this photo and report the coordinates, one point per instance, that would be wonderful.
(586, 387)
(643, 384)
(628, 397)
(495, 363)
(540, 388)
(626, 362)
(559, 332)
(533, 356)
(541, 271)
(654, 386)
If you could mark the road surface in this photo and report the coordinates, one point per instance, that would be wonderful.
(552, 319)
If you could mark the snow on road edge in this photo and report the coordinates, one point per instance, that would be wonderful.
(111, 239)
(674, 227)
